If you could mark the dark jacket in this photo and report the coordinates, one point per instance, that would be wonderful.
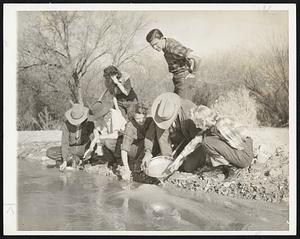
(75, 140)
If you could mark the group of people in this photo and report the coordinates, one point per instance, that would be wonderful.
(120, 130)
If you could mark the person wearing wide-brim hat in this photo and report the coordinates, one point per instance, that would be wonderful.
(172, 128)
(109, 122)
(77, 133)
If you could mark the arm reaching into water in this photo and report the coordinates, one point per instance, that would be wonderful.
(64, 146)
(96, 139)
(124, 156)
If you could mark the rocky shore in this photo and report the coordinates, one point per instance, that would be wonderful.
(266, 179)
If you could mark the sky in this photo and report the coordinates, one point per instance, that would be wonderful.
(211, 31)
(208, 32)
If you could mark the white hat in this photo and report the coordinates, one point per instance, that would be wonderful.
(165, 109)
(77, 114)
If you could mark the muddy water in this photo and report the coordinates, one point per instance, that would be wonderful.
(50, 200)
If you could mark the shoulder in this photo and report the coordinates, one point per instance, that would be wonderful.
(130, 129)
(172, 44)
(172, 41)
(90, 125)
(225, 121)
(148, 121)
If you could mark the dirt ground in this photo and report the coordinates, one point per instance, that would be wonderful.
(266, 179)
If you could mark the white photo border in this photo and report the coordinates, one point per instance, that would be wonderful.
(10, 106)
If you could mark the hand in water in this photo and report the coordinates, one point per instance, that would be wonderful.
(63, 166)
(127, 175)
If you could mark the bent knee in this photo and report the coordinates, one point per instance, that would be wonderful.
(210, 142)
(243, 163)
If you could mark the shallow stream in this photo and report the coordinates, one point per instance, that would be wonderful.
(75, 200)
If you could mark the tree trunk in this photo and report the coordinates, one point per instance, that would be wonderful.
(76, 88)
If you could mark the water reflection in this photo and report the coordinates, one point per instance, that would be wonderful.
(50, 200)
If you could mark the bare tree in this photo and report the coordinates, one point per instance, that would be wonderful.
(124, 50)
(61, 56)
(69, 43)
(269, 80)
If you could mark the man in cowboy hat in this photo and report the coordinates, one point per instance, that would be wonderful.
(77, 133)
(172, 128)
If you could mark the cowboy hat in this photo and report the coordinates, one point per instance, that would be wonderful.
(99, 110)
(165, 109)
(77, 114)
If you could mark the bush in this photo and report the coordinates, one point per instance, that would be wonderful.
(268, 81)
(44, 121)
(238, 105)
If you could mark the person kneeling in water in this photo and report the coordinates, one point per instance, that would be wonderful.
(223, 141)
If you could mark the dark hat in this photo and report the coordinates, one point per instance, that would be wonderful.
(99, 110)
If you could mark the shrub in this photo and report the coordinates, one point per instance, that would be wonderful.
(45, 121)
(268, 81)
(25, 122)
(239, 105)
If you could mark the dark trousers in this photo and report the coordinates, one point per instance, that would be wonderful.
(194, 160)
(184, 87)
(214, 146)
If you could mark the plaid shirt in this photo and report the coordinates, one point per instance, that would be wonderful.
(230, 132)
(176, 56)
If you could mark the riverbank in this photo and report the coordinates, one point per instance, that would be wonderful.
(267, 179)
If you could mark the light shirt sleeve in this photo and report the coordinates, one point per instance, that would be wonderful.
(118, 122)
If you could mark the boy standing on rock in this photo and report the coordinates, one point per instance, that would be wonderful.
(180, 59)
